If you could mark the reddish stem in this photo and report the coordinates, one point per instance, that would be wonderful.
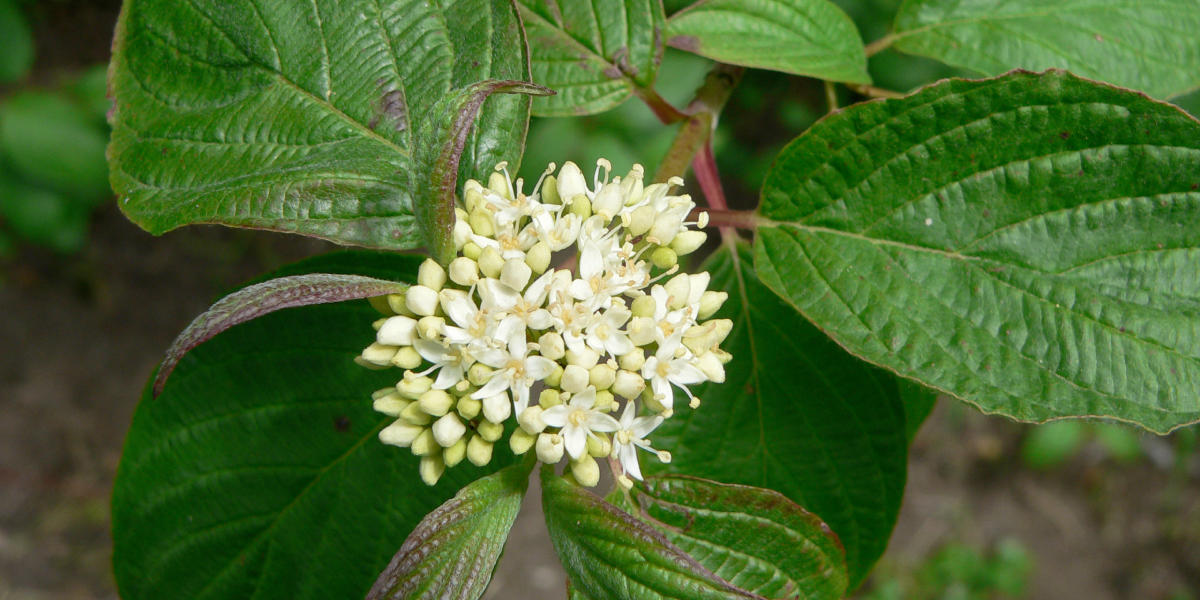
(665, 111)
(741, 219)
(704, 165)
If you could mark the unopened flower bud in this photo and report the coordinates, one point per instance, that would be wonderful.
(664, 257)
(583, 356)
(602, 376)
(608, 201)
(712, 367)
(581, 206)
(464, 271)
(633, 360)
(431, 469)
(461, 234)
(515, 274)
(641, 220)
(678, 288)
(489, 431)
(397, 331)
(479, 451)
(497, 408)
(554, 379)
(549, 448)
(710, 303)
(431, 275)
(490, 262)
(413, 387)
(521, 441)
(390, 404)
(430, 328)
(379, 354)
(498, 183)
(586, 471)
(455, 453)
(448, 430)
(574, 379)
(472, 251)
(479, 374)
(421, 300)
(407, 358)
(468, 407)
(530, 419)
(570, 181)
(642, 306)
(473, 195)
(425, 444)
(549, 397)
(413, 414)
(538, 257)
(400, 434)
(628, 385)
(551, 346)
(641, 330)
(687, 242)
(632, 185)
(666, 227)
(605, 401)
(549, 193)
(399, 304)
(599, 445)
(436, 402)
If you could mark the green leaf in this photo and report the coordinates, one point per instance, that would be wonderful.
(609, 554)
(256, 300)
(1149, 46)
(796, 415)
(454, 550)
(54, 143)
(16, 43)
(258, 473)
(305, 116)
(1028, 244)
(754, 538)
(593, 53)
(919, 402)
(803, 37)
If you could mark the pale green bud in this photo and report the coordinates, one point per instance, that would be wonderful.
(421, 300)
(628, 384)
(678, 289)
(554, 379)
(602, 376)
(583, 357)
(436, 402)
(473, 198)
(549, 397)
(641, 220)
(599, 445)
(472, 250)
(490, 262)
(586, 471)
(666, 227)
(710, 303)
(464, 271)
(570, 182)
(722, 356)
(605, 401)
(431, 469)
(462, 232)
(430, 328)
(515, 274)
(642, 306)
(687, 242)
(479, 374)
(538, 257)
(414, 415)
(549, 194)
(633, 360)
(664, 257)
(641, 330)
(400, 434)
(497, 408)
(498, 183)
(468, 407)
(530, 419)
(479, 451)
(574, 379)
(608, 201)
(489, 431)
(380, 303)
(397, 331)
(580, 205)
(712, 367)
(425, 444)
(632, 186)
(482, 222)
(551, 346)
(549, 448)
(521, 441)
(390, 404)
(454, 454)
(399, 304)
(412, 387)
(448, 430)
(379, 354)
(431, 275)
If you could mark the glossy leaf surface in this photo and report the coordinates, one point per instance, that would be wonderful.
(1029, 244)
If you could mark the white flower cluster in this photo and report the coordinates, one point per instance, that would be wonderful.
(617, 332)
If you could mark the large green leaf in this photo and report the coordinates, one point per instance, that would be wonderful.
(797, 415)
(1029, 244)
(609, 554)
(593, 53)
(257, 472)
(454, 550)
(804, 37)
(53, 142)
(307, 116)
(1147, 45)
(754, 538)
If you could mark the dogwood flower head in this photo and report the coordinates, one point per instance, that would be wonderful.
(501, 325)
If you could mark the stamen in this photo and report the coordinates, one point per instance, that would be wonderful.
(602, 163)
(538, 186)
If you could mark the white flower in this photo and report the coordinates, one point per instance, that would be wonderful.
(631, 435)
(605, 334)
(450, 361)
(665, 369)
(515, 371)
(578, 420)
